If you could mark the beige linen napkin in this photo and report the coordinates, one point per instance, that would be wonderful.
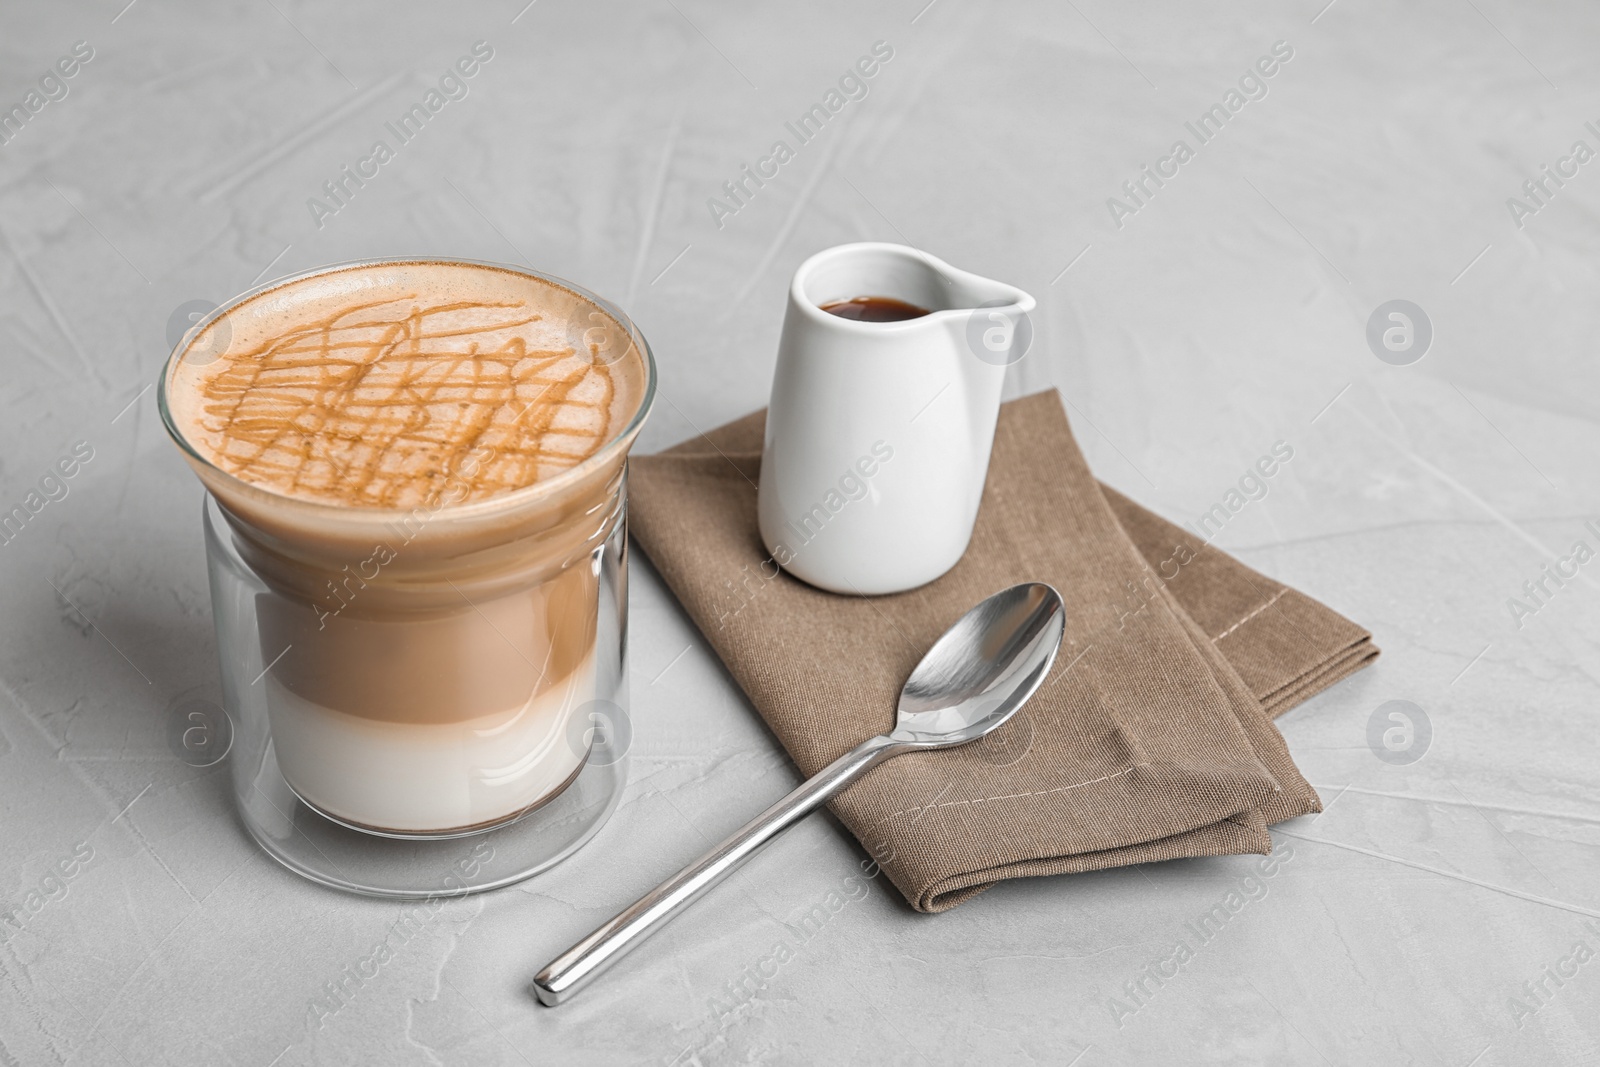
(1149, 739)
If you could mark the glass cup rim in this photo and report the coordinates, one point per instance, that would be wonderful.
(503, 501)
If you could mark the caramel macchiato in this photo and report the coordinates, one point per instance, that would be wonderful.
(421, 461)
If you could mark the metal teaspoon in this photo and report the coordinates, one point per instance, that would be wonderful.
(971, 681)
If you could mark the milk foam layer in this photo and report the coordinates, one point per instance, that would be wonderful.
(396, 385)
(434, 777)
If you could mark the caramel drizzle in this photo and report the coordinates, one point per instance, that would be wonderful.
(350, 407)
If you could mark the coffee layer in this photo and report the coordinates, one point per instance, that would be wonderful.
(399, 385)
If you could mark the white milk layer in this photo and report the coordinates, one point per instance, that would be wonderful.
(430, 777)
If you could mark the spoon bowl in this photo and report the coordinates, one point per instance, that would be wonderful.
(954, 696)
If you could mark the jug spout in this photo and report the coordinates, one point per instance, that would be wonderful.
(971, 292)
(991, 322)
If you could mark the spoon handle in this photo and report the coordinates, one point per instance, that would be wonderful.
(574, 968)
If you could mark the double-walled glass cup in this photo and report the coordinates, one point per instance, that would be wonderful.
(427, 700)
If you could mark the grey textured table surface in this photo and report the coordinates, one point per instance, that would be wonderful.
(1441, 911)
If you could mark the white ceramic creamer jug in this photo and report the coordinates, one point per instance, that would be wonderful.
(878, 433)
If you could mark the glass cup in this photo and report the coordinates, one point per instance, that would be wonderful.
(431, 700)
